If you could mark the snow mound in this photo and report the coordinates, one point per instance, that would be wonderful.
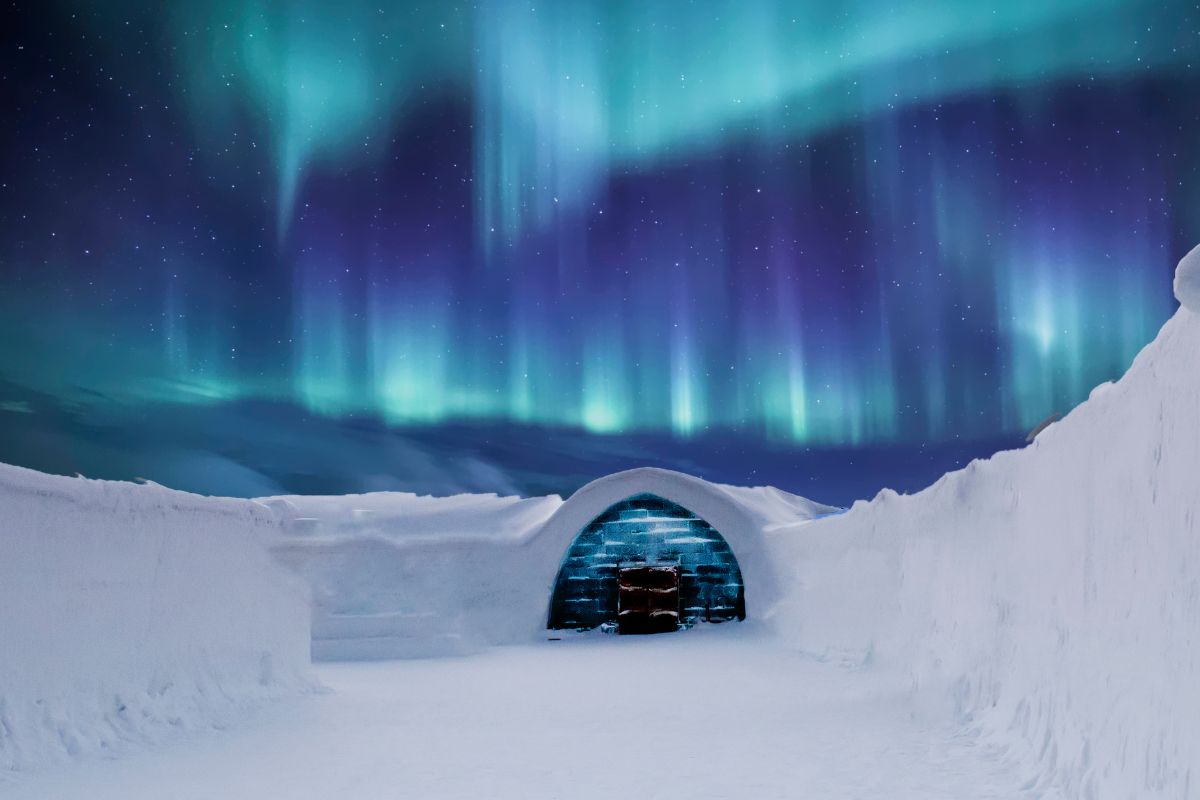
(1187, 281)
(129, 612)
(1049, 596)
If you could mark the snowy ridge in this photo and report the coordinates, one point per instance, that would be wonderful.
(1049, 595)
(129, 612)
(1187, 281)
(406, 516)
(776, 508)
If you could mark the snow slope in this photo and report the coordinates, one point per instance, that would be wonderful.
(406, 516)
(1050, 596)
(774, 508)
(130, 611)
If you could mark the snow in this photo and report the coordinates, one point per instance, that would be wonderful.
(1187, 281)
(704, 714)
(129, 612)
(406, 516)
(1048, 597)
(396, 575)
(775, 508)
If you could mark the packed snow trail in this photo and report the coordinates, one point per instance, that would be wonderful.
(703, 714)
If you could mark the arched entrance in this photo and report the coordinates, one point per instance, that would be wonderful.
(642, 560)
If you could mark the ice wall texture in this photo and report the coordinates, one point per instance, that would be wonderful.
(129, 612)
(646, 530)
(1051, 594)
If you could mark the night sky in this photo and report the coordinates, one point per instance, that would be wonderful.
(251, 247)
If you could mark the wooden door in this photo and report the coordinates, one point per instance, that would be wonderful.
(648, 599)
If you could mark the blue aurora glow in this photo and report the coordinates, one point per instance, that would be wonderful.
(832, 224)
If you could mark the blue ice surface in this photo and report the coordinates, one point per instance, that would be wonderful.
(646, 530)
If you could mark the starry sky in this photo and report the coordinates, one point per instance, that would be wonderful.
(249, 247)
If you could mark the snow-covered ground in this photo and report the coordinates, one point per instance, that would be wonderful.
(704, 714)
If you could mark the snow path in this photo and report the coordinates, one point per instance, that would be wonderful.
(703, 714)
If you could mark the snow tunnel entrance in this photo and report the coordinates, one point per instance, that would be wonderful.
(603, 572)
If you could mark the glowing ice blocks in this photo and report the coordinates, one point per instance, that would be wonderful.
(646, 529)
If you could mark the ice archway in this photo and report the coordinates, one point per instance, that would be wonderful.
(647, 530)
(739, 516)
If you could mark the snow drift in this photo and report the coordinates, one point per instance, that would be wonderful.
(1051, 594)
(128, 611)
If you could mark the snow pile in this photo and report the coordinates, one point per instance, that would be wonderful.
(128, 612)
(1187, 281)
(1051, 595)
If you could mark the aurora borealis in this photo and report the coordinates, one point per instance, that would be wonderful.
(800, 225)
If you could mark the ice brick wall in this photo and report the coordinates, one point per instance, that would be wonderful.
(646, 529)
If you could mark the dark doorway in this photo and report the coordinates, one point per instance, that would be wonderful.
(648, 600)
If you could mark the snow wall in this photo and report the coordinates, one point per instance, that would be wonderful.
(397, 575)
(1050, 595)
(130, 611)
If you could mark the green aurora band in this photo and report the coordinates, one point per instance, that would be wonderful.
(673, 332)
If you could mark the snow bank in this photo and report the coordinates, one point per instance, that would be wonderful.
(1187, 281)
(129, 611)
(405, 516)
(1050, 595)
(397, 575)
